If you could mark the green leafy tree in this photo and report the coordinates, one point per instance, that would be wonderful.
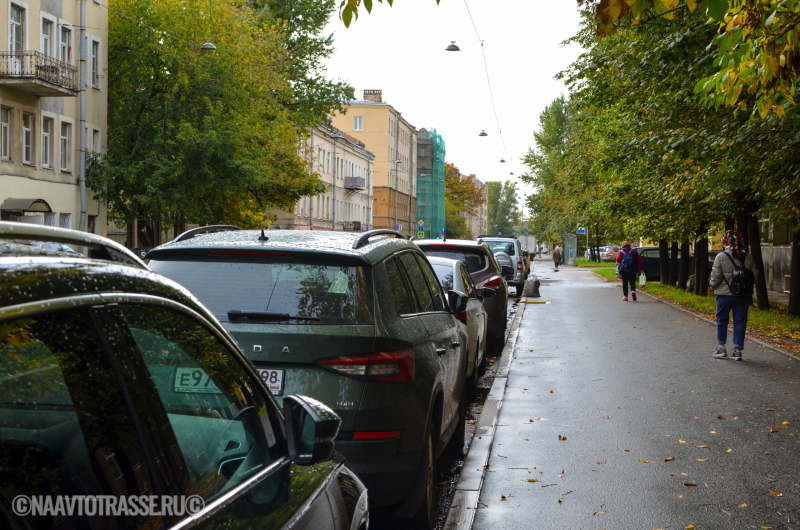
(502, 212)
(193, 135)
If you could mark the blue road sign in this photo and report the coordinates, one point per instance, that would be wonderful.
(499, 233)
(443, 228)
(581, 231)
(421, 234)
(513, 233)
(396, 227)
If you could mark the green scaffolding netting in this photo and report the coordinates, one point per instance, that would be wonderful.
(430, 183)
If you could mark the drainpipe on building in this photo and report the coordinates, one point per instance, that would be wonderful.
(335, 137)
(396, 164)
(82, 159)
(411, 187)
(314, 166)
(369, 190)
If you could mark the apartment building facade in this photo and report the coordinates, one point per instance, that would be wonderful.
(477, 223)
(393, 141)
(430, 183)
(40, 156)
(345, 166)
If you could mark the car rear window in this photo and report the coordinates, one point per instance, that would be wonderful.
(337, 295)
(502, 246)
(474, 260)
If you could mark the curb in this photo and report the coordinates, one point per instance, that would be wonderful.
(713, 323)
(461, 514)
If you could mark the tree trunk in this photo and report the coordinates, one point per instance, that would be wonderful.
(742, 226)
(730, 223)
(673, 265)
(794, 284)
(683, 274)
(755, 246)
(696, 266)
(703, 281)
(663, 260)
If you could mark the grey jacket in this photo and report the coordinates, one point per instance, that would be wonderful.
(724, 266)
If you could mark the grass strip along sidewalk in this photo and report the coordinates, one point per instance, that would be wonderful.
(583, 262)
(772, 325)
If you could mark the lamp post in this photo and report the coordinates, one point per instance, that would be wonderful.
(335, 137)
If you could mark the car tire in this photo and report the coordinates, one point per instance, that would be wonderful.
(455, 447)
(496, 342)
(425, 516)
(482, 366)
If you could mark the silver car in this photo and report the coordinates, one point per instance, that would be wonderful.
(454, 277)
(511, 247)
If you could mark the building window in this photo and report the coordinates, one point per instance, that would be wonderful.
(47, 36)
(5, 127)
(95, 64)
(96, 147)
(27, 138)
(65, 145)
(47, 146)
(65, 220)
(15, 37)
(357, 123)
(66, 47)
(50, 219)
(92, 225)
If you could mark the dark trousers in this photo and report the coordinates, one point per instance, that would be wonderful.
(628, 278)
(739, 305)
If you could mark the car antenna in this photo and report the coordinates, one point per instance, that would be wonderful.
(263, 237)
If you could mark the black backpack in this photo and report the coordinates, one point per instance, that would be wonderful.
(742, 279)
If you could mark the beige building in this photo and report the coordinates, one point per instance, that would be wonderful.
(40, 157)
(345, 166)
(477, 223)
(393, 140)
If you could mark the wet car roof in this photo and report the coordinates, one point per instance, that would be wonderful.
(307, 242)
(465, 242)
(32, 274)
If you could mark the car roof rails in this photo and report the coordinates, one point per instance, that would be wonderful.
(99, 247)
(363, 239)
(189, 234)
(479, 240)
(500, 237)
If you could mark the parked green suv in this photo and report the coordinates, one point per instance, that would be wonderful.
(357, 321)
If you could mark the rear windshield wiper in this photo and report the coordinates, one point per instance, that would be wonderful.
(236, 314)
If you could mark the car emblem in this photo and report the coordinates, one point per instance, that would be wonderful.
(285, 349)
(256, 348)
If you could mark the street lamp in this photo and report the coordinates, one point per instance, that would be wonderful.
(453, 47)
(483, 133)
(502, 160)
(208, 47)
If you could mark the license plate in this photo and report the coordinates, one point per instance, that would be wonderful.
(195, 381)
(273, 379)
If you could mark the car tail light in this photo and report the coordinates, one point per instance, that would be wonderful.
(396, 366)
(375, 435)
(494, 282)
(519, 265)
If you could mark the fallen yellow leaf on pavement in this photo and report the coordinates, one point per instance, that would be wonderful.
(672, 474)
(560, 500)
(720, 417)
(701, 459)
(744, 505)
(774, 430)
(728, 450)
(766, 527)
(599, 513)
(785, 423)
(776, 494)
(533, 480)
(690, 527)
(770, 410)
(669, 459)
(690, 484)
(645, 461)
(562, 437)
(681, 441)
(503, 497)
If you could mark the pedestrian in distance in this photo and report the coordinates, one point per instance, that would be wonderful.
(733, 277)
(557, 256)
(629, 265)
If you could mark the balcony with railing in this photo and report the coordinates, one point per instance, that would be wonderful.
(38, 74)
(354, 183)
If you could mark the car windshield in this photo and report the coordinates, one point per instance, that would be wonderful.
(445, 275)
(336, 295)
(474, 260)
(502, 246)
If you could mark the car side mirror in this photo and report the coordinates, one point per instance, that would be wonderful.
(310, 429)
(488, 292)
(507, 272)
(458, 302)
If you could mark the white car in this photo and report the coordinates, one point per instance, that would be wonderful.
(454, 277)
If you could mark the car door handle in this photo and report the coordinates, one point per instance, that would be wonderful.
(440, 351)
(455, 344)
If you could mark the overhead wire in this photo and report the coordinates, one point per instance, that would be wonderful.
(488, 80)
(140, 23)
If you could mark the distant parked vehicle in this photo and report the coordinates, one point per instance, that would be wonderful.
(652, 264)
(453, 276)
(510, 246)
(485, 271)
(609, 253)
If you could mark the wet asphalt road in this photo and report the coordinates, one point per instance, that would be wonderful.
(630, 382)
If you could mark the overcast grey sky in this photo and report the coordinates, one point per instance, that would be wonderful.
(400, 50)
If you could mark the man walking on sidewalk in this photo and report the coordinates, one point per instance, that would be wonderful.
(629, 264)
(732, 278)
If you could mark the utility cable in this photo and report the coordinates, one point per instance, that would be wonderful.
(488, 81)
(140, 23)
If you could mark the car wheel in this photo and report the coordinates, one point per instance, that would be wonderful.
(455, 447)
(424, 518)
(482, 366)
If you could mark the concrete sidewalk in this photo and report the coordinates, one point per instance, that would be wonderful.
(615, 415)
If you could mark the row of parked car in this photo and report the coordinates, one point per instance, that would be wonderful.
(123, 376)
